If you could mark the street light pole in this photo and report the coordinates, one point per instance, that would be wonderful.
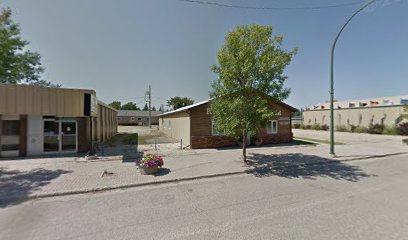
(332, 75)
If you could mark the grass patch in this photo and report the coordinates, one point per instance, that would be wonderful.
(130, 138)
(301, 142)
(312, 140)
(123, 139)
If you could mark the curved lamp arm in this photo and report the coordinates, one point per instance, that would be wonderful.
(332, 75)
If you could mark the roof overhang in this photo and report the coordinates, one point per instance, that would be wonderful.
(186, 108)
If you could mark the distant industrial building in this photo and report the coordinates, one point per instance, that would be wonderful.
(39, 121)
(386, 111)
(140, 118)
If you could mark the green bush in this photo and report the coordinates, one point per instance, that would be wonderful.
(403, 128)
(361, 129)
(325, 127)
(316, 126)
(296, 126)
(353, 128)
(341, 128)
(308, 127)
(376, 128)
(302, 126)
(405, 141)
(392, 130)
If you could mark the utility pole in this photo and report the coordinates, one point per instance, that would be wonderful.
(150, 107)
(148, 98)
(332, 75)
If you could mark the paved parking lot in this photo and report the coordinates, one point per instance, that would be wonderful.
(348, 138)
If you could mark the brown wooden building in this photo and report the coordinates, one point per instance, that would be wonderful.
(37, 120)
(194, 127)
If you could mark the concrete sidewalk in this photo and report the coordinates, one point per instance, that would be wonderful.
(31, 178)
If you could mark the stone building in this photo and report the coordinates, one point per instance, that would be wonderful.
(193, 126)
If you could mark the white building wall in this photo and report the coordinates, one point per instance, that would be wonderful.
(35, 135)
(176, 126)
(387, 115)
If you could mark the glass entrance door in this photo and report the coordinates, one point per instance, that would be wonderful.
(68, 135)
(60, 135)
(51, 135)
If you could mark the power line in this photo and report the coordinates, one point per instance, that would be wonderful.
(216, 4)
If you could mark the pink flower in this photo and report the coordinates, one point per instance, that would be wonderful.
(151, 160)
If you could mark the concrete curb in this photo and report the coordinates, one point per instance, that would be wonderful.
(176, 180)
(125, 186)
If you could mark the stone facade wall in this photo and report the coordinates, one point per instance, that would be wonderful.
(275, 138)
(201, 129)
(212, 142)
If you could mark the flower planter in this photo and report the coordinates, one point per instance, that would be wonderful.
(150, 163)
(148, 170)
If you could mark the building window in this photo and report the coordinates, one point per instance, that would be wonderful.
(10, 147)
(272, 127)
(10, 127)
(139, 119)
(10, 135)
(132, 119)
(215, 131)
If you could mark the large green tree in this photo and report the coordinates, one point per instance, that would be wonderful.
(146, 108)
(130, 106)
(251, 78)
(116, 104)
(17, 64)
(179, 102)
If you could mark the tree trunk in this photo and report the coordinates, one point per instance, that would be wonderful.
(244, 143)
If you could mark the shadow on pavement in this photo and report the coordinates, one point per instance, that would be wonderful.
(292, 144)
(16, 184)
(303, 166)
(122, 144)
(129, 153)
(162, 172)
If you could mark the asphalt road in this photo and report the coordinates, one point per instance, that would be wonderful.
(366, 199)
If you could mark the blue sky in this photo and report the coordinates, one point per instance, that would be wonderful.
(119, 47)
